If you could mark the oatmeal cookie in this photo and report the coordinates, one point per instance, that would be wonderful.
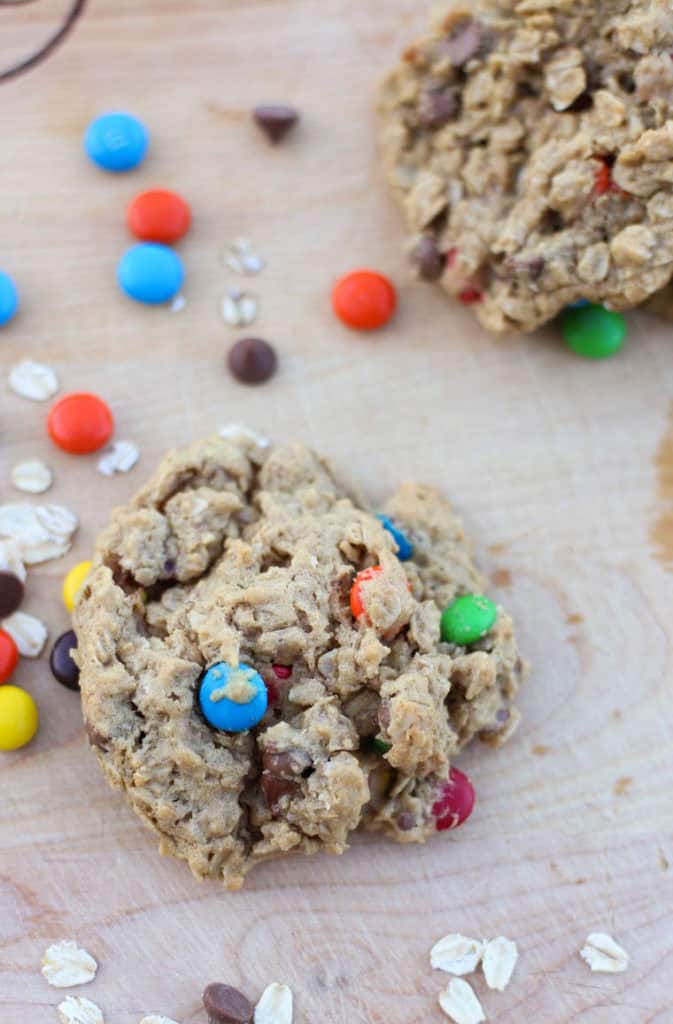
(530, 143)
(237, 555)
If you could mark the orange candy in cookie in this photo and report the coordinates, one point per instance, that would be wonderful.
(357, 606)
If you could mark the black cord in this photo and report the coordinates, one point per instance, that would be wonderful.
(59, 35)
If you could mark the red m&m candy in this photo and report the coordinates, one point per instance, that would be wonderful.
(9, 656)
(454, 803)
(364, 300)
(159, 216)
(80, 423)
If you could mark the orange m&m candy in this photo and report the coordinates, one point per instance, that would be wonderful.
(357, 606)
(159, 216)
(80, 423)
(364, 300)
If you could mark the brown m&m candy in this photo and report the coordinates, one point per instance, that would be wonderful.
(226, 1005)
(11, 593)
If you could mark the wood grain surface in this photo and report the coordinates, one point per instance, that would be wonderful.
(553, 462)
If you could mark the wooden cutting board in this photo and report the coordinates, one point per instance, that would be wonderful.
(553, 462)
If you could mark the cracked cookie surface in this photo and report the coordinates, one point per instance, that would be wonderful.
(531, 145)
(234, 553)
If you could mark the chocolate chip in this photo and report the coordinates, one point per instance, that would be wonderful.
(584, 101)
(226, 1005)
(428, 259)
(274, 787)
(275, 119)
(436, 107)
(63, 668)
(406, 821)
(11, 593)
(252, 361)
(96, 738)
(463, 43)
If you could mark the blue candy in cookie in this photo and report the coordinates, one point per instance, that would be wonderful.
(405, 548)
(232, 699)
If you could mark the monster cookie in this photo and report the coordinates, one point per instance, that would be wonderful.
(531, 145)
(262, 674)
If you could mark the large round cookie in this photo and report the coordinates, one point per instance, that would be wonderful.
(233, 553)
(531, 144)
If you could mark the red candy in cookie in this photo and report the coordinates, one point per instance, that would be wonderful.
(455, 802)
(357, 606)
(469, 296)
(9, 656)
(80, 423)
(282, 671)
(364, 300)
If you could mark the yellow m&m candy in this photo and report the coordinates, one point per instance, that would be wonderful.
(73, 583)
(18, 717)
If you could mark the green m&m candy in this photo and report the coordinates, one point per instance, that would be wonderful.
(467, 619)
(593, 331)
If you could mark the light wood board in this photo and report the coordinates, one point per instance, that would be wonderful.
(552, 461)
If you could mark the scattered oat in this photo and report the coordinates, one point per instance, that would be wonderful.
(176, 306)
(28, 633)
(238, 308)
(602, 953)
(78, 1010)
(459, 1002)
(456, 954)
(156, 1018)
(275, 1005)
(10, 559)
(33, 380)
(237, 430)
(119, 458)
(242, 259)
(32, 476)
(41, 532)
(65, 965)
(498, 962)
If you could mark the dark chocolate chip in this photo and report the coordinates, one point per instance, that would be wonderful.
(226, 1005)
(11, 593)
(463, 43)
(406, 821)
(428, 259)
(63, 668)
(252, 361)
(275, 119)
(551, 222)
(436, 107)
(274, 787)
(96, 738)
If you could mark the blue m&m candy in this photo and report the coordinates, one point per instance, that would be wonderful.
(405, 548)
(150, 273)
(9, 300)
(116, 142)
(232, 699)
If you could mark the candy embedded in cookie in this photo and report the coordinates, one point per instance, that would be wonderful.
(232, 698)
(530, 146)
(261, 673)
